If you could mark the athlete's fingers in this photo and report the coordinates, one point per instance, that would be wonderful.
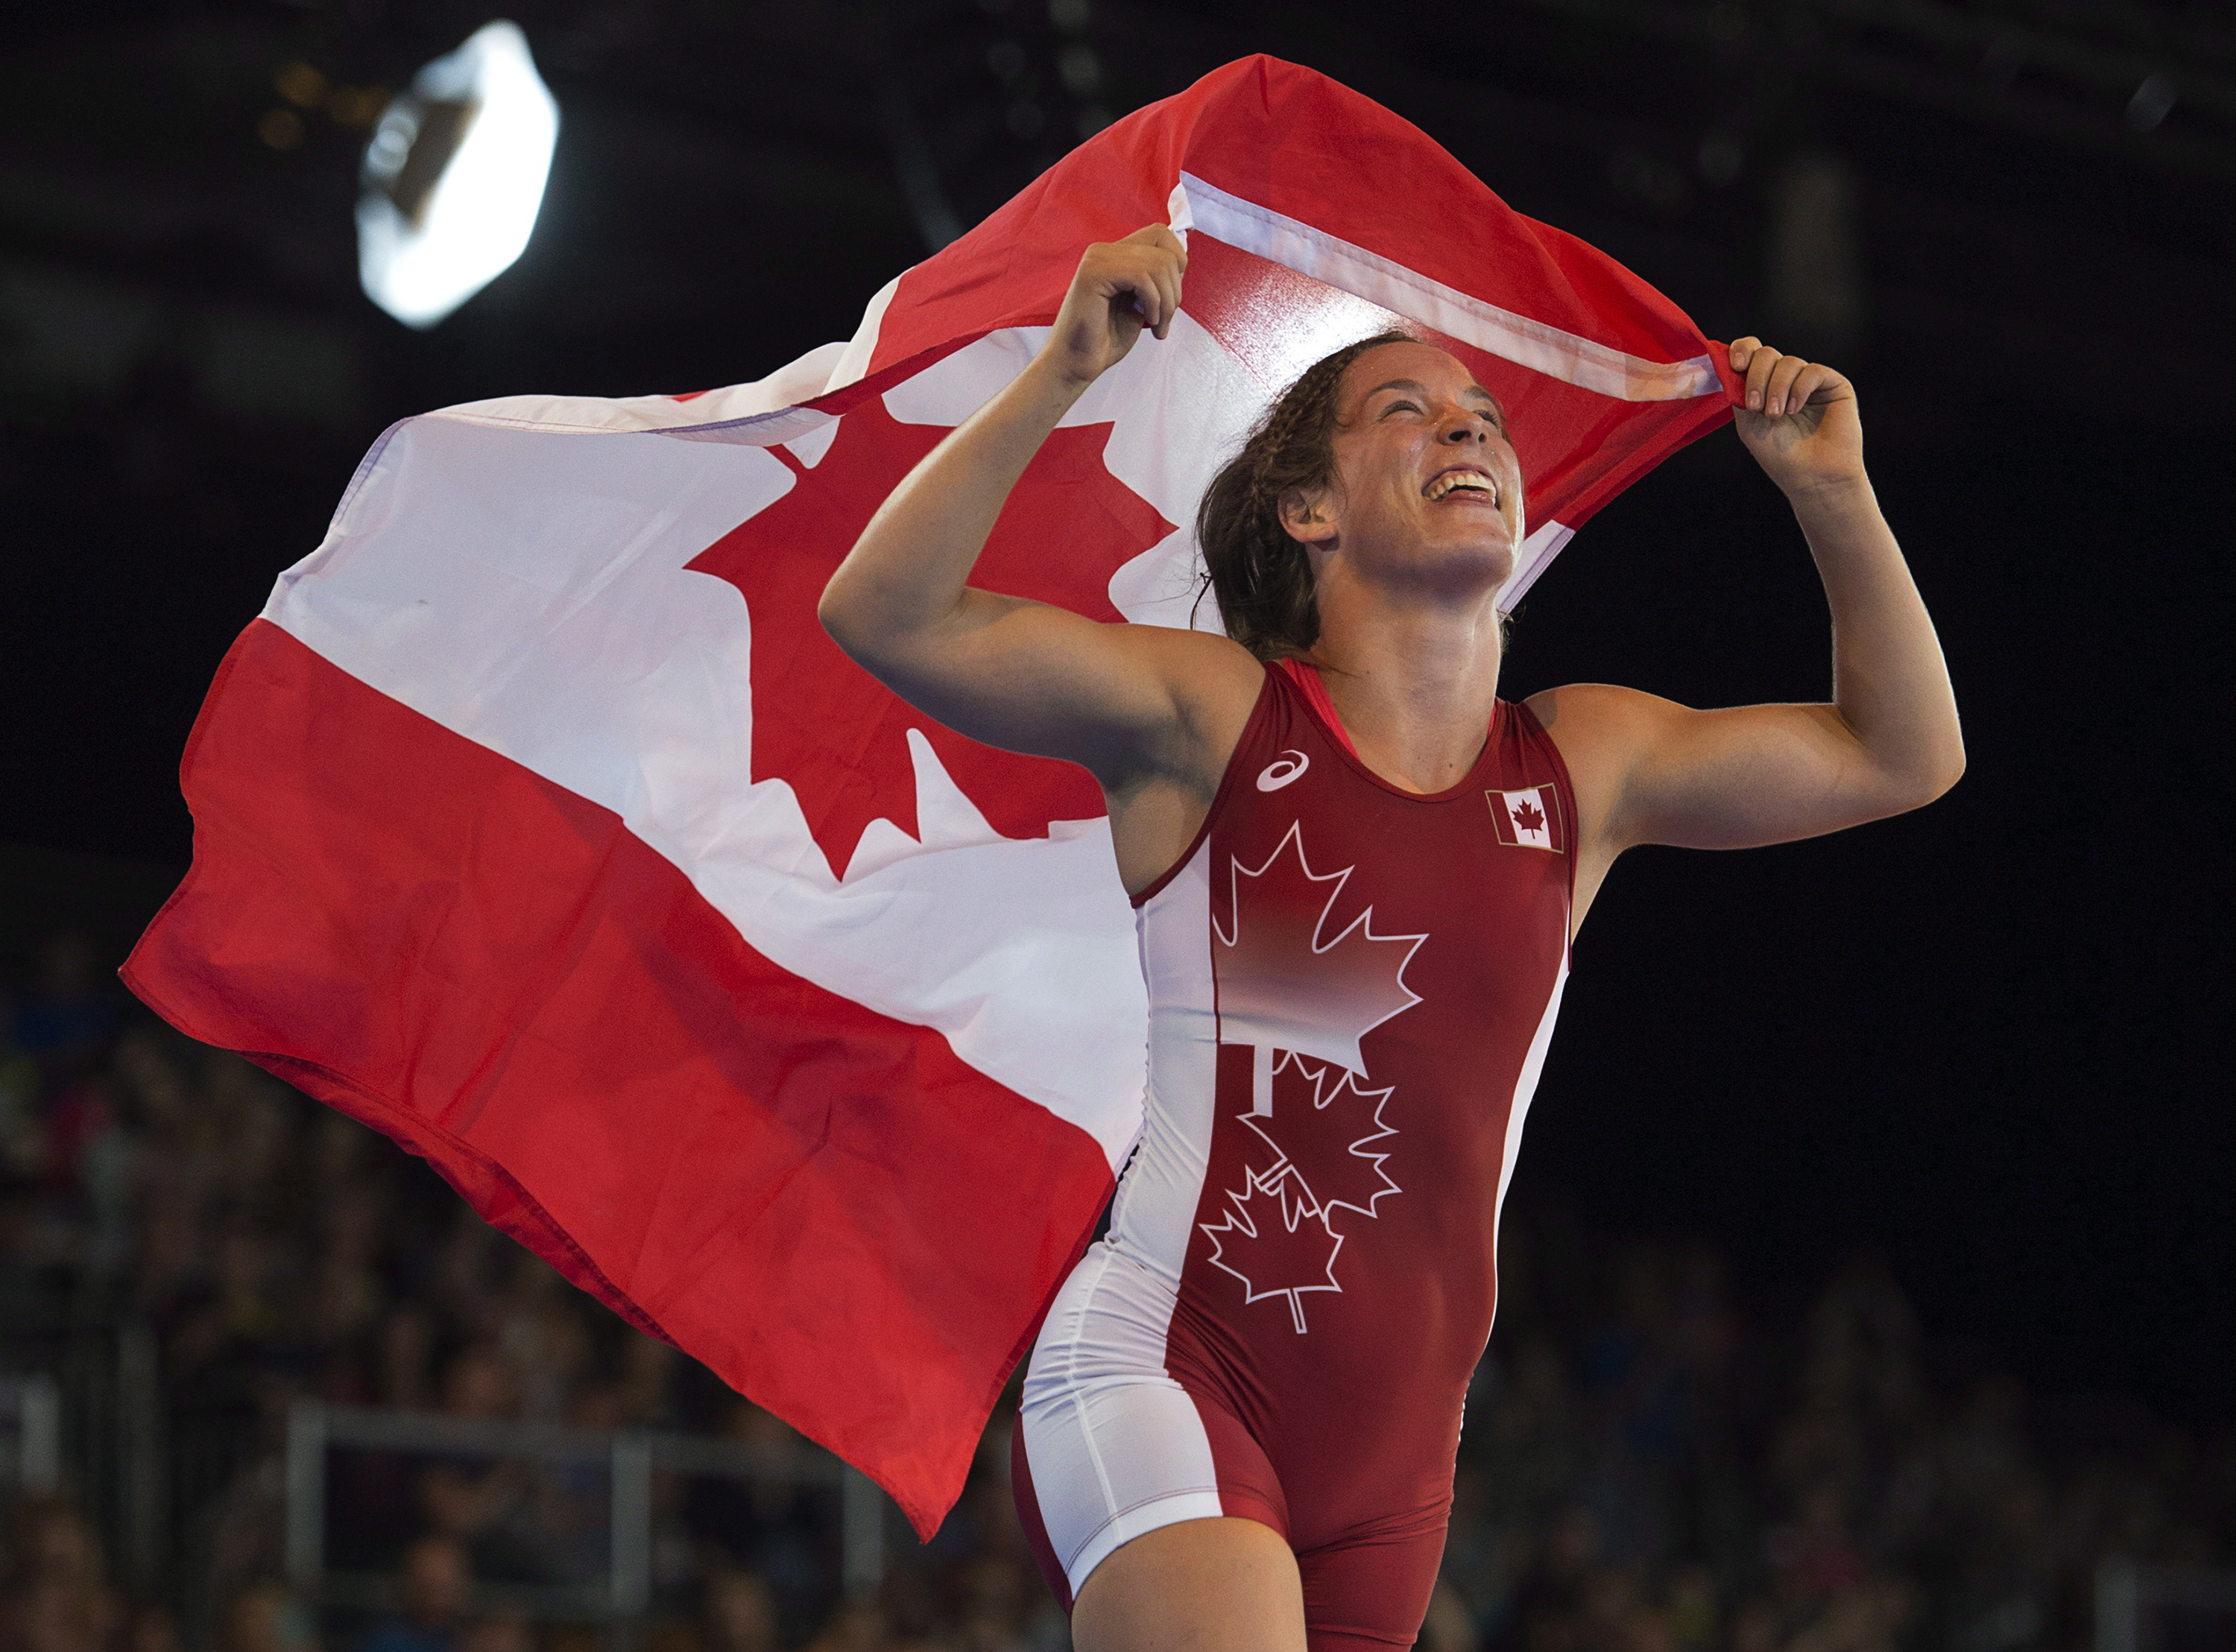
(1152, 274)
(1171, 269)
(1137, 277)
(1777, 399)
(1168, 288)
(1760, 365)
(1742, 350)
(1168, 294)
(1159, 236)
(1818, 383)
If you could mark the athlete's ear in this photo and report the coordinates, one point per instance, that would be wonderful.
(1305, 515)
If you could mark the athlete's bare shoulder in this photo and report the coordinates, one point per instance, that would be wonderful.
(1596, 726)
(1201, 665)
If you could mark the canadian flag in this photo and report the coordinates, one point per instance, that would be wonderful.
(538, 824)
(1530, 819)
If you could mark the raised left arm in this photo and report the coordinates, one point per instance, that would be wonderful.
(1649, 772)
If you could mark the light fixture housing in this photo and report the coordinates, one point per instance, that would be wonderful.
(454, 176)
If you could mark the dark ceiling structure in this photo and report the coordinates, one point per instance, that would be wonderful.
(1983, 1040)
(2005, 174)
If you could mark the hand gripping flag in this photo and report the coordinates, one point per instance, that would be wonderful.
(537, 823)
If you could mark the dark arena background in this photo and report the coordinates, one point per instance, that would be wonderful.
(1870, 1275)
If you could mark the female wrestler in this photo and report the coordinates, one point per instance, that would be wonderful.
(1357, 871)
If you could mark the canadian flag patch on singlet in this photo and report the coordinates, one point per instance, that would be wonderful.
(1530, 819)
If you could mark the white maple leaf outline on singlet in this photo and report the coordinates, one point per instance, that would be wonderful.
(1285, 1212)
(1290, 993)
(1330, 1084)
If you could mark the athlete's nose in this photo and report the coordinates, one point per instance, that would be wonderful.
(1463, 425)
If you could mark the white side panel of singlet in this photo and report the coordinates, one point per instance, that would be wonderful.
(1115, 1446)
(1525, 1090)
(1156, 1211)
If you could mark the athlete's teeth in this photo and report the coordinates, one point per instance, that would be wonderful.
(1444, 485)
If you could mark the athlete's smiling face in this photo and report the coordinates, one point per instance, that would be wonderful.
(1427, 489)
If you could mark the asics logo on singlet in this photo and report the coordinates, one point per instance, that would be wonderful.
(1278, 773)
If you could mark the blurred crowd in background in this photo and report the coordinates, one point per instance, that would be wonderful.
(1645, 1468)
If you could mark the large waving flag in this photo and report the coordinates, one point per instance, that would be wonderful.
(538, 824)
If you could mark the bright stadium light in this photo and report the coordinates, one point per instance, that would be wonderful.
(453, 177)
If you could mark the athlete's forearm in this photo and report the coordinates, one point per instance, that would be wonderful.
(1889, 682)
(905, 579)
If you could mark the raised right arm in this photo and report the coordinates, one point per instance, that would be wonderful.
(1122, 700)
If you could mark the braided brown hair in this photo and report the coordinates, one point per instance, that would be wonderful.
(1262, 578)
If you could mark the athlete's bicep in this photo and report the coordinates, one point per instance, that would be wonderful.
(1649, 770)
(1030, 677)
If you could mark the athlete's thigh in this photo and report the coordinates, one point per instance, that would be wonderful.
(1227, 1584)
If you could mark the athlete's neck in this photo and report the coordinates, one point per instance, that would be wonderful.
(1416, 685)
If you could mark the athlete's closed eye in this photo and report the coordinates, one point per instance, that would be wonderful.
(1486, 406)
